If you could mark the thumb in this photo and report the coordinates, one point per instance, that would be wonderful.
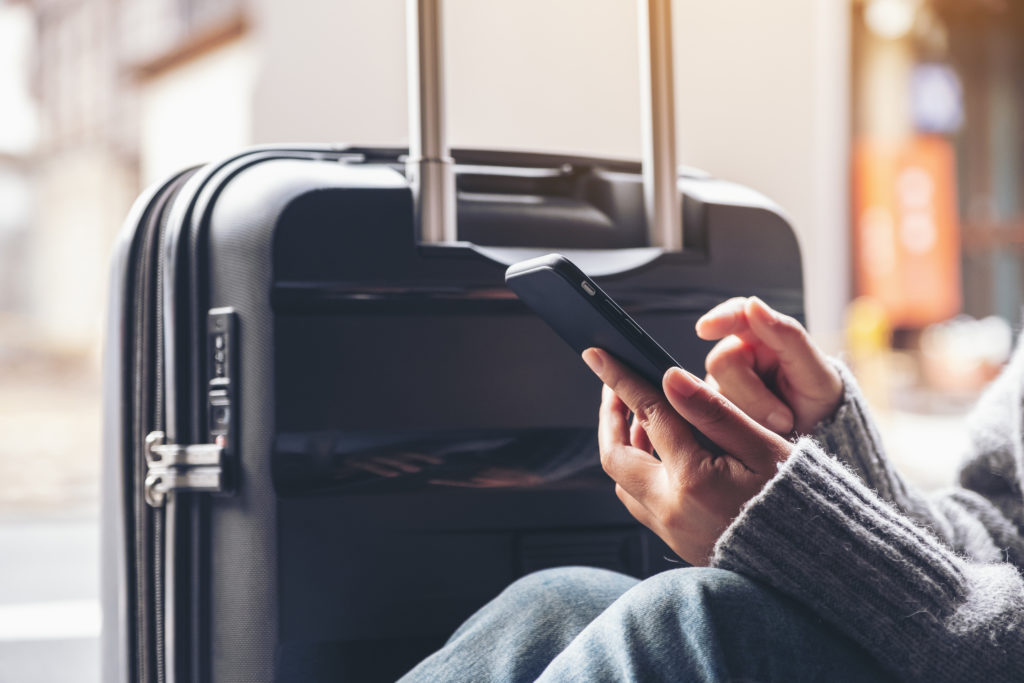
(759, 449)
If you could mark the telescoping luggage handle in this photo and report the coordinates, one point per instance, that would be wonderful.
(432, 170)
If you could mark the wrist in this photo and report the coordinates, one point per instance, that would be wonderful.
(812, 409)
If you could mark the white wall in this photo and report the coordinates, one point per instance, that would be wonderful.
(198, 111)
(761, 93)
(81, 198)
(18, 127)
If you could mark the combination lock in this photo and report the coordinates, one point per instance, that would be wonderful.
(222, 385)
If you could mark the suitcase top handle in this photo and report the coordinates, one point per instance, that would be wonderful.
(431, 168)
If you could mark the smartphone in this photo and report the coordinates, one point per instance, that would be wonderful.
(584, 316)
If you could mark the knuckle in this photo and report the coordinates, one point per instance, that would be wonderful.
(610, 376)
(715, 359)
(723, 357)
(648, 412)
(734, 303)
(668, 517)
(717, 409)
(790, 326)
(727, 305)
(614, 460)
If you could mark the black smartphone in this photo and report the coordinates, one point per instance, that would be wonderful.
(584, 316)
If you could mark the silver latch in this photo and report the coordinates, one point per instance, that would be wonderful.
(177, 467)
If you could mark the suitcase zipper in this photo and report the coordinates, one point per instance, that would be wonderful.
(147, 412)
(156, 519)
(148, 415)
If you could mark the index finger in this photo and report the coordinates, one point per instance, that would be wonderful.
(728, 317)
(669, 433)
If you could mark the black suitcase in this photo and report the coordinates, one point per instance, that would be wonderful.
(327, 441)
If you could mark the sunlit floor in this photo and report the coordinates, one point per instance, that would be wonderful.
(49, 527)
(49, 600)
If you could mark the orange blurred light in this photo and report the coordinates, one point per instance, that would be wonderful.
(906, 231)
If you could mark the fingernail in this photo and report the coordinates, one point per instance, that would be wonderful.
(594, 360)
(779, 422)
(683, 383)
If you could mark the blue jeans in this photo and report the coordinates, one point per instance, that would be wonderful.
(692, 624)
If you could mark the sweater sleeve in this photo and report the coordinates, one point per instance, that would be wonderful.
(817, 533)
(993, 476)
(977, 520)
(852, 437)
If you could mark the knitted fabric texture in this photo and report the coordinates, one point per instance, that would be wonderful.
(929, 585)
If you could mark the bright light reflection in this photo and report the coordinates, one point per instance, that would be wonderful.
(890, 19)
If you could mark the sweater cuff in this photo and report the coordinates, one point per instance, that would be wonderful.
(817, 534)
(850, 434)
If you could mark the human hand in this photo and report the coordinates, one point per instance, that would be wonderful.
(768, 366)
(690, 495)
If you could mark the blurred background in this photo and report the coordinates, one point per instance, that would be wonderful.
(889, 130)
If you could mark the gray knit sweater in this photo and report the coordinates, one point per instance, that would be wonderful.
(930, 585)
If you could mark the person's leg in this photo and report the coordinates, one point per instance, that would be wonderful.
(516, 635)
(699, 624)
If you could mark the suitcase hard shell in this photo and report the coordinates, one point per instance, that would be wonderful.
(327, 442)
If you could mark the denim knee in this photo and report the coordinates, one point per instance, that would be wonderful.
(708, 600)
(684, 588)
(565, 599)
(706, 624)
(730, 627)
(535, 617)
(569, 584)
(698, 584)
(577, 589)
